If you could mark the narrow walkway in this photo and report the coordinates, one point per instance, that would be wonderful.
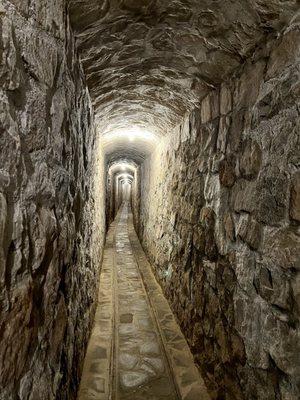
(136, 351)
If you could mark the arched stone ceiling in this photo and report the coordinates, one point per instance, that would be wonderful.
(131, 151)
(134, 145)
(123, 176)
(122, 166)
(148, 62)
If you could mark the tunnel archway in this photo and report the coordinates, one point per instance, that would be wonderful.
(125, 150)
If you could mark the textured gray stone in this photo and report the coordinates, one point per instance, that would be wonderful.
(250, 231)
(234, 286)
(225, 99)
(128, 48)
(226, 172)
(48, 237)
(295, 197)
(250, 161)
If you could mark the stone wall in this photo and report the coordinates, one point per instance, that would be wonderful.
(110, 199)
(220, 221)
(50, 244)
(113, 197)
(136, 196)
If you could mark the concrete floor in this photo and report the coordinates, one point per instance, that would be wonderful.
(136, 351)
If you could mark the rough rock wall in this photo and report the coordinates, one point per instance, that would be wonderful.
(113, 197)
(150, 61)
(110, 202)
(49, 244)
(136, 197)
(220, 220)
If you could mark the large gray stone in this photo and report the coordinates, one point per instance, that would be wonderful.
(250, 161)
(295, 197)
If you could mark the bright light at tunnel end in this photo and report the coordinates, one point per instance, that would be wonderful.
(131, 133)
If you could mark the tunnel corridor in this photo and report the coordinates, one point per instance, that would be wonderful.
(137, 350)
(149, 200)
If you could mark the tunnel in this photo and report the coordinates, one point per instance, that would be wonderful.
(149, 200)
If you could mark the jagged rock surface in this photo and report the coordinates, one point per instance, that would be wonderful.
(220, 222)
(148, 62)
(50, 247)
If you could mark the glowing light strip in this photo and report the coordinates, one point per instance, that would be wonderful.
(131, 134)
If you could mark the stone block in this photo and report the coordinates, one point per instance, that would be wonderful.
(248, 86)
(212, 188)
(250, 160)
(243, 196)
(229, 226)
(9, 55)
(250, 231)
(274, 285)
(236, 129)
(225, 99)
(295, 197)
(10, 142)
(3, 217)
(271, 199)
(22, 6)
(295, 285)
(237, 348)
(36, 48)
(199, 239)
(227, 172)
(285, 53)
(223, 341)
(15, 351)
(263, 283)
(214, 103)
(224, 126)
(281, 247)
(206, 110)
(50, 16)
(207, 219)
